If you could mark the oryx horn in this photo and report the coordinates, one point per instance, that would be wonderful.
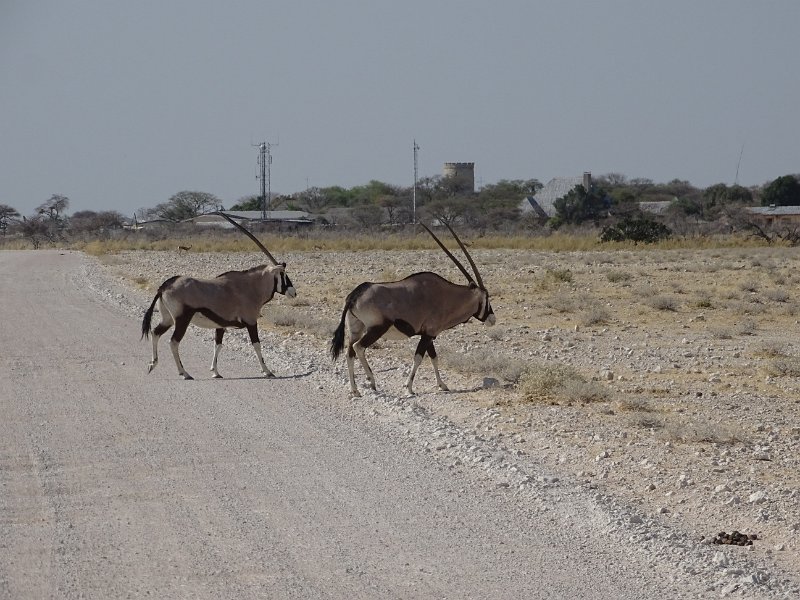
(469, 258)
(250, 235)
(453, 258)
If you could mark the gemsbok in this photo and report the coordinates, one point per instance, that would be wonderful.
(231, 300)
(423, 304)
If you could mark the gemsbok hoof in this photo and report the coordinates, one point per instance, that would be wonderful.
(187, 377)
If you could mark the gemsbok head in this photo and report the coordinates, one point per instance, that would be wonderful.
(423, 304)
(231, 300)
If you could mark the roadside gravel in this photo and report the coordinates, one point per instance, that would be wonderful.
(693, 440)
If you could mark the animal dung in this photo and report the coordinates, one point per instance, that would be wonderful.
(734, 539)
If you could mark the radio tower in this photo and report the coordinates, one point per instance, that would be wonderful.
(264, 163)
(414, 196)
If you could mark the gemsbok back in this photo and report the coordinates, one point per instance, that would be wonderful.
(422, 304)
(230, 300)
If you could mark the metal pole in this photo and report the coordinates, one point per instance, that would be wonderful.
(414, 197)
(262, 149)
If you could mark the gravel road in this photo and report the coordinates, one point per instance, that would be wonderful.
(119, 484)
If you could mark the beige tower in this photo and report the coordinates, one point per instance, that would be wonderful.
(462, 172)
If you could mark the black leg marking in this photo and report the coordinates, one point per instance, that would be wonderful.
(218, 334)
(161, 329)
(253, 331)
(373, 335)
(425, 345)
(181, 325)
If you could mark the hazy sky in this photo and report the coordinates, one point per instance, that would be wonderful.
(120, 104)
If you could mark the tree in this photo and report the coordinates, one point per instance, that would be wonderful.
(580, 205)
(367, 215)
(447, 210)
(311, 200)
(187, 205)
(89, 221)
(37, 229)
(398, 209)
(7, 214)
(719, 195)
(784, 191)
(53, 208)
(252, 202)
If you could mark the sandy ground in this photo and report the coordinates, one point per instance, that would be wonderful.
(117, 483)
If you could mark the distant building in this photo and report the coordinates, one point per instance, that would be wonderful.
(774, 215)
(463, 173)
(541, 204)
(289, 217)
(656, 207)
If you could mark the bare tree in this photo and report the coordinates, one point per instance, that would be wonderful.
(54, 207)
(36, 230)
(7, 215)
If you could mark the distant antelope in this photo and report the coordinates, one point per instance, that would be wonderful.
(422, 304)
(232, 299)
(184, 249)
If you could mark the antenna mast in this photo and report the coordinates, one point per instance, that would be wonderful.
(264, 163)
(739, 162)
(414, 197)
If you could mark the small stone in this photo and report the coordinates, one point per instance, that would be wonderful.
(757, 497)
(490, 382)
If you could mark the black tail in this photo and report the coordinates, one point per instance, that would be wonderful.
(148, 315)
(337, 343)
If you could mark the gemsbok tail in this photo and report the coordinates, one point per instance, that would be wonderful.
(337, 343)
(148, 315)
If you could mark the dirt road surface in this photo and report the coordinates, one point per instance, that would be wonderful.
(119, 484)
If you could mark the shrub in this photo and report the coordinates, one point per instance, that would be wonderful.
(553, 382)
(636, 230)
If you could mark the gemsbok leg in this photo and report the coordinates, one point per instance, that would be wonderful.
(425, 346)
(219, 333)
(160, 329)
(181, 325)
(253, 331)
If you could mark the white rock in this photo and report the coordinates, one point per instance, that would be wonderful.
(757, 497)
(720, 559)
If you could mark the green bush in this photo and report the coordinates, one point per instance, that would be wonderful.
(636, 230)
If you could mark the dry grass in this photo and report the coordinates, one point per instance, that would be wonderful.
(557, 383)
(329, 240)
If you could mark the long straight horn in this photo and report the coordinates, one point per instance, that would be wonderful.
(469, 258)
(248, 234)
(450, 254)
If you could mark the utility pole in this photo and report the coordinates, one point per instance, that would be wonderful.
(264, 163)
(414, 196)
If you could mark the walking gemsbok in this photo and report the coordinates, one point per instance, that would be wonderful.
(422, 304)
(230, 300)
